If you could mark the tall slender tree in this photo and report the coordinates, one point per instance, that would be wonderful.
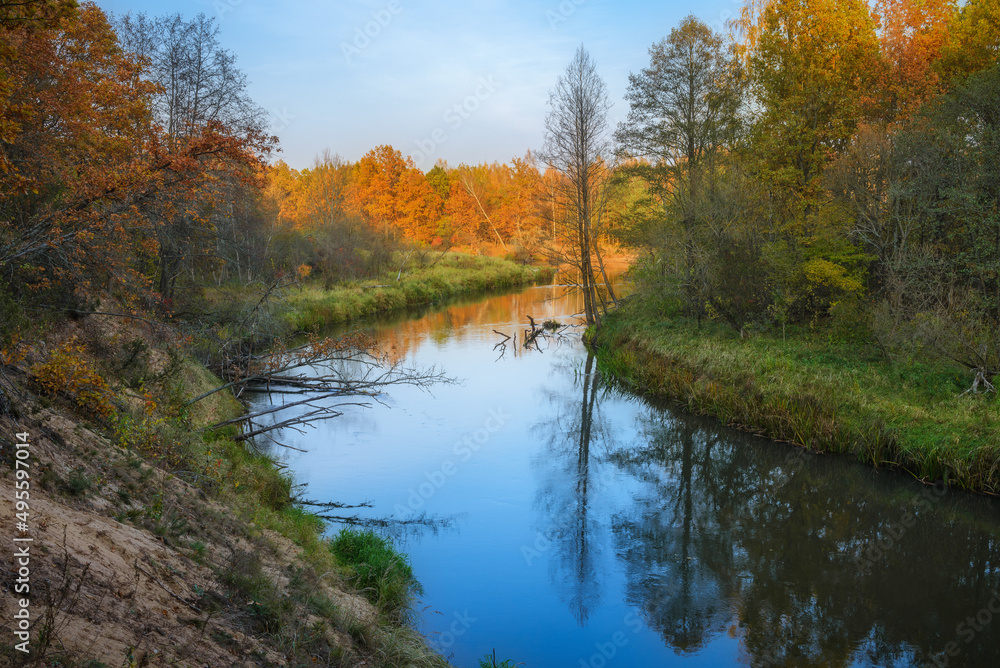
(578, 144)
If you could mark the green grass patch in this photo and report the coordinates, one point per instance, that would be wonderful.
(380, 572)
(258, 498)
(312, 307)
(814, 391)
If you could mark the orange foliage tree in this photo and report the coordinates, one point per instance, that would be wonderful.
(393, 195)
(79, 157)
(911, 37)
(496, 202)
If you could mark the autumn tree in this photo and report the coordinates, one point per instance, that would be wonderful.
(911, 36)
(810, 66)
(520, 204)
(322, 196)
(394, 196)
(682, 116)
(495, 203)
(578, 145)
(21, 17)
(79, 157)
(203, 106)
(318, 225)
(973, 39)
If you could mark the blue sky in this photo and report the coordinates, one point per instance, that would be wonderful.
(460, 81)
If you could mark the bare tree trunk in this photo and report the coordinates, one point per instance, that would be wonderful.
(578, 146)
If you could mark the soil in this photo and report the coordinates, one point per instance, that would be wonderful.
(130, 565)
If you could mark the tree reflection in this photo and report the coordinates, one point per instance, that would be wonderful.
(805, 560)
(732, 535)
(681, 596)
(564, 496)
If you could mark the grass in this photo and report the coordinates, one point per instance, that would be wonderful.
(380, 572)
(259, 493)
(811, 390)
(282, 601)
(312, 307)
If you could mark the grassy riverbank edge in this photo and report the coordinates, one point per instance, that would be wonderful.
(211, 519)
(313, 307)
(828, 397)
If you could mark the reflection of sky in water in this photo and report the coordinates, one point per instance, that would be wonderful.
(589, 529)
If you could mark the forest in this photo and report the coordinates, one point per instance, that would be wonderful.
(828, 163)
(822, 160)
(825, 165)
(136, 168)
(810, 197)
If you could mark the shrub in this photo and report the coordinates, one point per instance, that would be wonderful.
(68, 372)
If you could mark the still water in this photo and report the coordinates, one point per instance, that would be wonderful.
(567, 524)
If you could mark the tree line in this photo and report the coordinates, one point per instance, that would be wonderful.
(135, 165)
(820, 161)
(826, 162)
(344, 218)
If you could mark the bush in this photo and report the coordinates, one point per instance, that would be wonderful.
(490, 661)
(68, 372)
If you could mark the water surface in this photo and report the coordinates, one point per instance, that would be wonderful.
(567, 524)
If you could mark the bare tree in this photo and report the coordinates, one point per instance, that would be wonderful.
(329, 374)
(578, 145)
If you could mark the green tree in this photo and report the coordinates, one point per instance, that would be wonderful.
(973, 39)
(682, 116)
(943, 289)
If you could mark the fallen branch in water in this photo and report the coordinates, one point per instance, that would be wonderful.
(331, 504)
(323, 370)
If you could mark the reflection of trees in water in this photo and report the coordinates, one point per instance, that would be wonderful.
(727, 530)
(399, 334)
(566, 494)
(663, 545)
(403, 532)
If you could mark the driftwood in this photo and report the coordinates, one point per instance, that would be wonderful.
(332, 504)
(531, 334)
(980, 379)
(529, 337)
(323, 370)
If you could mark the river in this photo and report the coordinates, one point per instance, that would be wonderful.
(567, 524)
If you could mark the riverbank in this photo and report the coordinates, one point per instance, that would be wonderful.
(814, 392)
(312, 307)
(156, 541)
